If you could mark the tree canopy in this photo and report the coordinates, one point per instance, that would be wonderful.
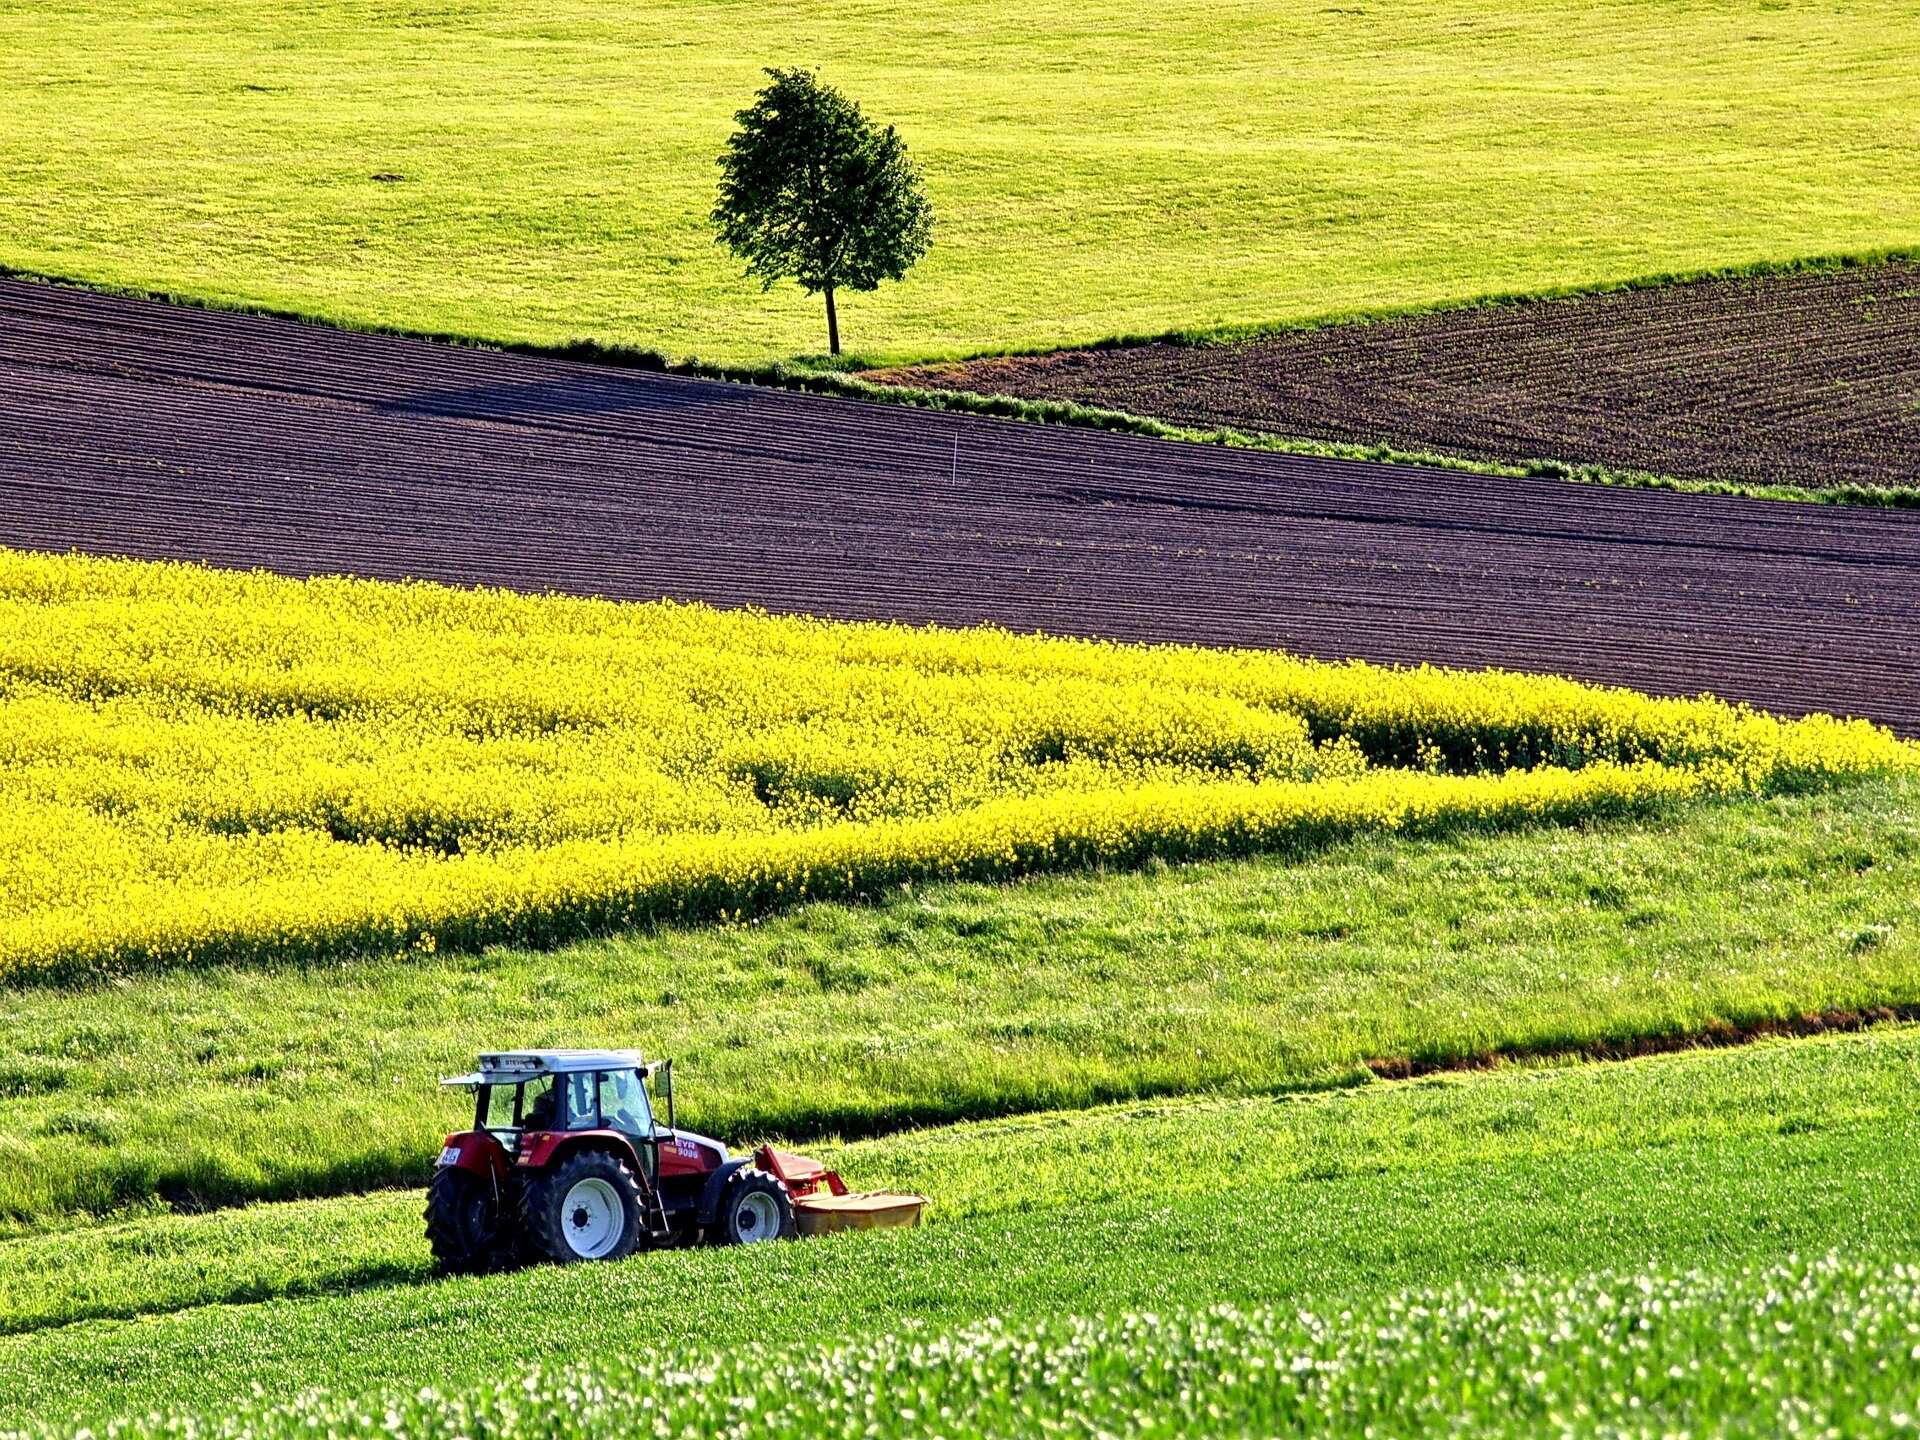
(813, 190)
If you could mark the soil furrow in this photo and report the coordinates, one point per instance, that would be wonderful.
(1808, 379)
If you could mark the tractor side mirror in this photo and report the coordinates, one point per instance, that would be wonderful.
(666, 1070)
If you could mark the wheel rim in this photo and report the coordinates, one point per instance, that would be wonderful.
(758, 1217)
(592, 1219)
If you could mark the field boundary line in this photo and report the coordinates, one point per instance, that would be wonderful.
(846, 380)
(1203, 337)
(641, 357)
(1072, 413)
(1715, 1034)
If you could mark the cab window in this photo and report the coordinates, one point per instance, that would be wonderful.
(623, 1103)
(498, 1110)
(582, 1111)
(537, 1104)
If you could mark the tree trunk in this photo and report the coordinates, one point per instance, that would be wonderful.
(833, 325)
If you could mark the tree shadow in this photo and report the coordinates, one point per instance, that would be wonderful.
(573, 397)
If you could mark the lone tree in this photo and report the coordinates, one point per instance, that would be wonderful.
(811, 188)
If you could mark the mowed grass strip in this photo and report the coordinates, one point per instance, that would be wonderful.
(1166, 1149)
(483, 169)
(964, 1001)
(1711, 1157)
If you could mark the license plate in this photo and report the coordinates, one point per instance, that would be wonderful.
(450, 1155)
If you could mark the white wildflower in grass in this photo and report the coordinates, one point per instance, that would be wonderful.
(1433, 1364)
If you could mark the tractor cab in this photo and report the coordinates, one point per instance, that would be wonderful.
(534, 1102)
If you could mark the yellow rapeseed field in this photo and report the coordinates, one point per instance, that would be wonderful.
(198, 765)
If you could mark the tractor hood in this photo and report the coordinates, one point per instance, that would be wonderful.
(692, 1152)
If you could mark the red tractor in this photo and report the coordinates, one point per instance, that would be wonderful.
(566, 1161)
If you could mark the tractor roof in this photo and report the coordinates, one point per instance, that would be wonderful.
(511, 1067)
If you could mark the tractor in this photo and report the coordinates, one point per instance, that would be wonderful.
(567, 1161)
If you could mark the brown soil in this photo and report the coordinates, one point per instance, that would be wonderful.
(134, 428)
(1810, 379)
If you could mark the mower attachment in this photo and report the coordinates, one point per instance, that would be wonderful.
(822, 1204)
(875, 1210)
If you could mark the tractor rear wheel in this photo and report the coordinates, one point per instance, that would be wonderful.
(468, 1228)
(754, 1207)
(586, 1208)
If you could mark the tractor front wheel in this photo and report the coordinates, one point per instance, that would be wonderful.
(465, 1223)
(586, 1208)
(754, 1207)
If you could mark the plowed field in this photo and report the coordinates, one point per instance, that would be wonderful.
(138, 429)
(1809, 380)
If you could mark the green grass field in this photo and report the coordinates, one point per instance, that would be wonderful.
(1804, 1347)
(1124, 1092)
(962, 1001)
(1252, 1160)
(1099, 168)
(1716, 1159)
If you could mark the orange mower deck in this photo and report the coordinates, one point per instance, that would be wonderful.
(875, 1210)
(822, 1204)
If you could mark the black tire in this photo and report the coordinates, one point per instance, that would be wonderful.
(585, 1208)
(469, 1229)
(754, 1207)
